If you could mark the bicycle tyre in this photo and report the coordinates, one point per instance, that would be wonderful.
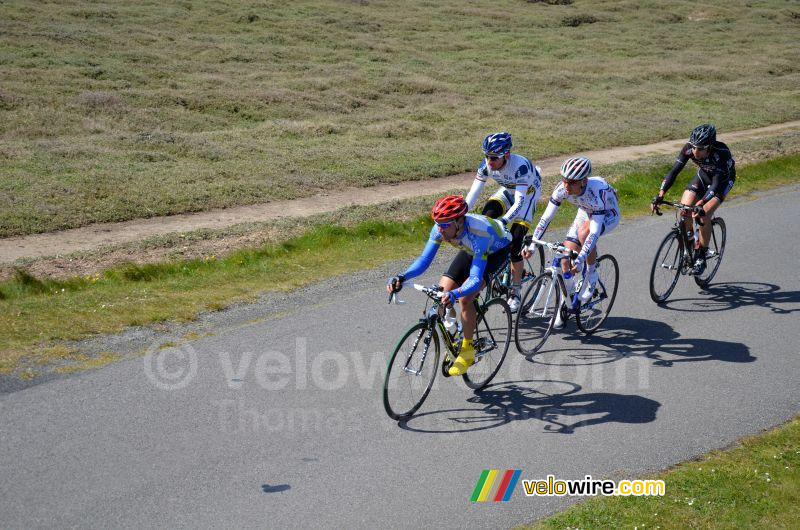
(607, 270)
(394, 409)
(668, 256)
(493, 327)
(537, 323)
(535, 264)
(717, 245)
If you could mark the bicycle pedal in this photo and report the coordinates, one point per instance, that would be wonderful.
(446, 368)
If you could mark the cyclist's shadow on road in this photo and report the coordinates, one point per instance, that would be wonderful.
(558, 404)
(733, 295)
(625, 338)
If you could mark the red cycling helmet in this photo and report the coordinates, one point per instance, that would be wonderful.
(448, 208)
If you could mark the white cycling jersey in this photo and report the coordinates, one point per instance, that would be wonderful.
(519, 177)
(597, 204)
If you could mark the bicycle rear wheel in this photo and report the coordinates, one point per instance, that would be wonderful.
(666, 267)
(593, 313)
(410, 372)
(536, 314)
(492, 338)
(716, 247)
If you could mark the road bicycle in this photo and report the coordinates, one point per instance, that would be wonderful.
(414, 362)
(678, 251)
(500, 282)
(542, 299)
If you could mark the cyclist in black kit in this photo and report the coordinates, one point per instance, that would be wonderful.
(716, 173)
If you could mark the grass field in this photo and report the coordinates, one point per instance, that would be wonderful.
(753, 485)
(38, 314)
(118, 110)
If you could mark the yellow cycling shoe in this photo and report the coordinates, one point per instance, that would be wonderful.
(464, 360)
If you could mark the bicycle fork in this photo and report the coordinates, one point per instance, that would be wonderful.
(427, 341)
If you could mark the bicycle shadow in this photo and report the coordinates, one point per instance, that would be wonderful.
(534, 400)
(733, 295)
(626, 337)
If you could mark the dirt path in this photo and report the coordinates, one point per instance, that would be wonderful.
(97, 235)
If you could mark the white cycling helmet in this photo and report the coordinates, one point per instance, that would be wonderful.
(576, 168)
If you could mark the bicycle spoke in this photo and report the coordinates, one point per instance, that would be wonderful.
(411, 371)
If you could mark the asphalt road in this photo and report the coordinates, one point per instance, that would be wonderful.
(280, 423)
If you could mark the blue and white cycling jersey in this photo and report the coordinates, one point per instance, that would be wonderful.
(598, 204)
(480, 237)
(520, 178)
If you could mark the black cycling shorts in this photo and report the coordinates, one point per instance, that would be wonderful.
(699, 187)
(494, 209)
(459, 267)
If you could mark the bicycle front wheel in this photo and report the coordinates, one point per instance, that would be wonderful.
(410, 372)
(716, 247)
(534, 266)
(592, 314)
(666, 267)
(536, 314)
(492, 338)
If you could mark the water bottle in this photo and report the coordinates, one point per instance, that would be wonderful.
(451, 323)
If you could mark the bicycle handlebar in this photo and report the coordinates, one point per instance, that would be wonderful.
(679, 206)
(555, 247)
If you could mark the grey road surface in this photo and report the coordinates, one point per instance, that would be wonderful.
(279, 422)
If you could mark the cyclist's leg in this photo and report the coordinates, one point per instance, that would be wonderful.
(705, 231)
(710, 207)
(518, 227)
(456, 274)
(573, 240)
(694, 189)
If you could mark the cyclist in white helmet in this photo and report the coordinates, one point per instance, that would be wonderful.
(598, 214)
(514, 203)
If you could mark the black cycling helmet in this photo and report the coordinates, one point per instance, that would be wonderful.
(703, 136)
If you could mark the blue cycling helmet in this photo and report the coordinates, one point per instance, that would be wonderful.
(497, 144)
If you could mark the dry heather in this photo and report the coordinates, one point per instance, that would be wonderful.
(113, 111)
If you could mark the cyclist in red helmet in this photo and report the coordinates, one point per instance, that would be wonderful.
(483, 245)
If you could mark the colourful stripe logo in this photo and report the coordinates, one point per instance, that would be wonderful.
(496, 485)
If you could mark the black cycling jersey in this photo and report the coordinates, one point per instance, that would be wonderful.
(714, 171)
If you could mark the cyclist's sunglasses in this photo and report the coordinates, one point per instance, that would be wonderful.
(700, 147)
(494, 158)
(446, 225)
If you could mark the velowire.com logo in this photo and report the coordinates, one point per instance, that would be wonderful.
(496, 485)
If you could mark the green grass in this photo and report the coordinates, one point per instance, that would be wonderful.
(755, 485)
(37, 314)
(118, 110)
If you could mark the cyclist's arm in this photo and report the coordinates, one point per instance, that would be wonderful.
(547, 216)
(473, 283)
(519, 199)
(425, 259)
(669, 178)
(477, 186)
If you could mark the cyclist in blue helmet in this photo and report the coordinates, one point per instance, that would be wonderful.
(716, 173)
(514, 203)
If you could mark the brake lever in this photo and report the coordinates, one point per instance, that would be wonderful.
(396, 298)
